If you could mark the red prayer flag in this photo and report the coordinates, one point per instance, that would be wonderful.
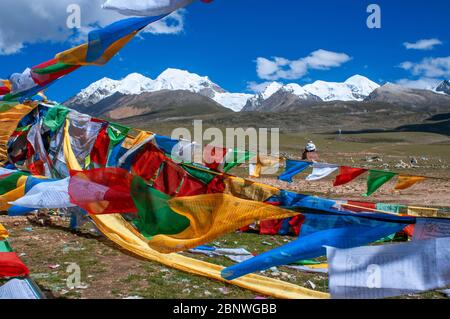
(12, 266)
(148, 162)
(169, 178)
(44, 79)
(217, 185)
(99, 153)
(192, 187)
(214, 156)
(360, 206)
(296, 223)
(347, 174)
(270, 226)
(102, 191)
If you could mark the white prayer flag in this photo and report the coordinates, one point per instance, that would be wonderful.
(17, 289)
(427, 228)
(390, 270)
(47, 195)
(5, 171)
(321, 170)
(151, 8)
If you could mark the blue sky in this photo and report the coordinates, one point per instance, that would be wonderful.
(223, 40)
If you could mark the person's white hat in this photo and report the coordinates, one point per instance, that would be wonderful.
(310, 147)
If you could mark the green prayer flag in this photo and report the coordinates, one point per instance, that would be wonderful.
(155, 215)
(5, 247)
(306, 262)
(201, 173)
(117, 133)
(57, 67)
(6, 106)
(235, 158)
(9, 183)
(377, 179)
(55, 117)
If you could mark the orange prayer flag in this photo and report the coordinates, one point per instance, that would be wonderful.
(404, 182)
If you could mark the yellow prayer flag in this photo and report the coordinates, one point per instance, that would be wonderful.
(3, 232)
(13, 195)
(265, 165)
(246, 189)
(211, 216)
(77, 55)
(9, 120)
(422, 211)
(404, 181)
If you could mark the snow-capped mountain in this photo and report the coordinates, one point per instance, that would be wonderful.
(356, 88)
(257, 100)
(444, 87)
(170, 79)
(134, 83)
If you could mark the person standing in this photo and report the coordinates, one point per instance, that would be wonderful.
(310, 153)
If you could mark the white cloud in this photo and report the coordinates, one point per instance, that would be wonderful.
(173, 24)
(282, 68)
(424, 44)
(422, 83)
(25, 22)
(429, 67)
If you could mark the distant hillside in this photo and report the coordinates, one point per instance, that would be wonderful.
(288, 107)
(399, 95)
(162, 105)
(325, 117)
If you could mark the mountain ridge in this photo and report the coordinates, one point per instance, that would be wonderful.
(354, 88)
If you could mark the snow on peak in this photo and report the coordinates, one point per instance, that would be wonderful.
(362, 85)
(271, 89)
(174, 79)
(355, 88)
(170, 79)
(134, 83)
(233, 101)
(295, 89)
